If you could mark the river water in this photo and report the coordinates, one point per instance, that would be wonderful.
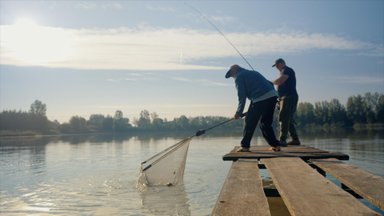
(96, 175)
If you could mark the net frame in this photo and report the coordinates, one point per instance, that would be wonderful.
(172, 174)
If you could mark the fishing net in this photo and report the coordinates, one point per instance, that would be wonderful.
(166, 167)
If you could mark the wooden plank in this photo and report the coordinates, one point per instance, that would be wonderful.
(306, 192)
(367, 185)
(303, 152)
(242, 192)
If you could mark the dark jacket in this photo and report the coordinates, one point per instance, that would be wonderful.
(251, 85)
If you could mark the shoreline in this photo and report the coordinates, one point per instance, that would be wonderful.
(311, 129)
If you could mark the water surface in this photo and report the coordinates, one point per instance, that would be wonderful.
(96, 175)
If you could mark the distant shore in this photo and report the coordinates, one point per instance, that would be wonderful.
(310, 129)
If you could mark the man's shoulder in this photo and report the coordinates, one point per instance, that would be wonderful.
(243, 73)
(246, 72)
(288, 70)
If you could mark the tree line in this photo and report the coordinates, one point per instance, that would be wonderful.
(359, 109)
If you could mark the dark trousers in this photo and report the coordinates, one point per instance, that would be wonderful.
(288, 107)
(263, 111)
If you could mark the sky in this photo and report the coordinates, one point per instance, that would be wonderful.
(96, 57)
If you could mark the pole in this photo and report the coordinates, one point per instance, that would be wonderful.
(217, 29)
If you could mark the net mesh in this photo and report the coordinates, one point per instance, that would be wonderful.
(166, 167)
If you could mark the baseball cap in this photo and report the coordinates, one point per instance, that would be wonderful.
(278, 61)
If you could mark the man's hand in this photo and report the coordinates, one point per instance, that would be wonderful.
(237, 116)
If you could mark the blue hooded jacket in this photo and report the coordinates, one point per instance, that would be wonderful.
(254, 86)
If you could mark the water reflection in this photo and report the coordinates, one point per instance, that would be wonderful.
(163, 200)
(96, 174)
(365, 150)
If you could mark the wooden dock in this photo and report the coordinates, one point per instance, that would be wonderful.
(298, 175)
(303, 152)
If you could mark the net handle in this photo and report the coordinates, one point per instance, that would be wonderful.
(201, 132)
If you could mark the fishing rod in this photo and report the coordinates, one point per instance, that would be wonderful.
(222, 34)
(179, 144)
(201, 132)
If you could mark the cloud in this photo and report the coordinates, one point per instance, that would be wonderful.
(362, 80)
(152, 48)
(158, 8)
(374, 50)
(204, 82)
(92, 5)
(222, 19)
(134, 77)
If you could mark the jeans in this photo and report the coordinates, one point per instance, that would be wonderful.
(263, 111)
(288, 107)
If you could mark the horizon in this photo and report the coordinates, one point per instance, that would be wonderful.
(96, 57)
(133, 118)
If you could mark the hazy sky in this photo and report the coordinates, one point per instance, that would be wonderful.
(96, 57)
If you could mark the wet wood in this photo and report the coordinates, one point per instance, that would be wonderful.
(365, 184)
(306, 192)
(304, 152)
(242, 192)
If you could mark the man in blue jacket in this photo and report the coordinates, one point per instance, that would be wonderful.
(263, 97)
(288, 99)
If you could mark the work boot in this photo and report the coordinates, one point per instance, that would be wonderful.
(275, 148)
(294, 142)
(243, 149)
(283, 144)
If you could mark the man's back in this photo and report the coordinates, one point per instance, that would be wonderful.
(252, 84)
(289, 86)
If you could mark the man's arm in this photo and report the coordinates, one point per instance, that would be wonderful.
(281, 79)
(241, 96)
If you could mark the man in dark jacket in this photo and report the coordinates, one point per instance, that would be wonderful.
(263, 97)
(288, 99)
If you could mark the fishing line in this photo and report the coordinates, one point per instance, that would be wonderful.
(222, 34)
